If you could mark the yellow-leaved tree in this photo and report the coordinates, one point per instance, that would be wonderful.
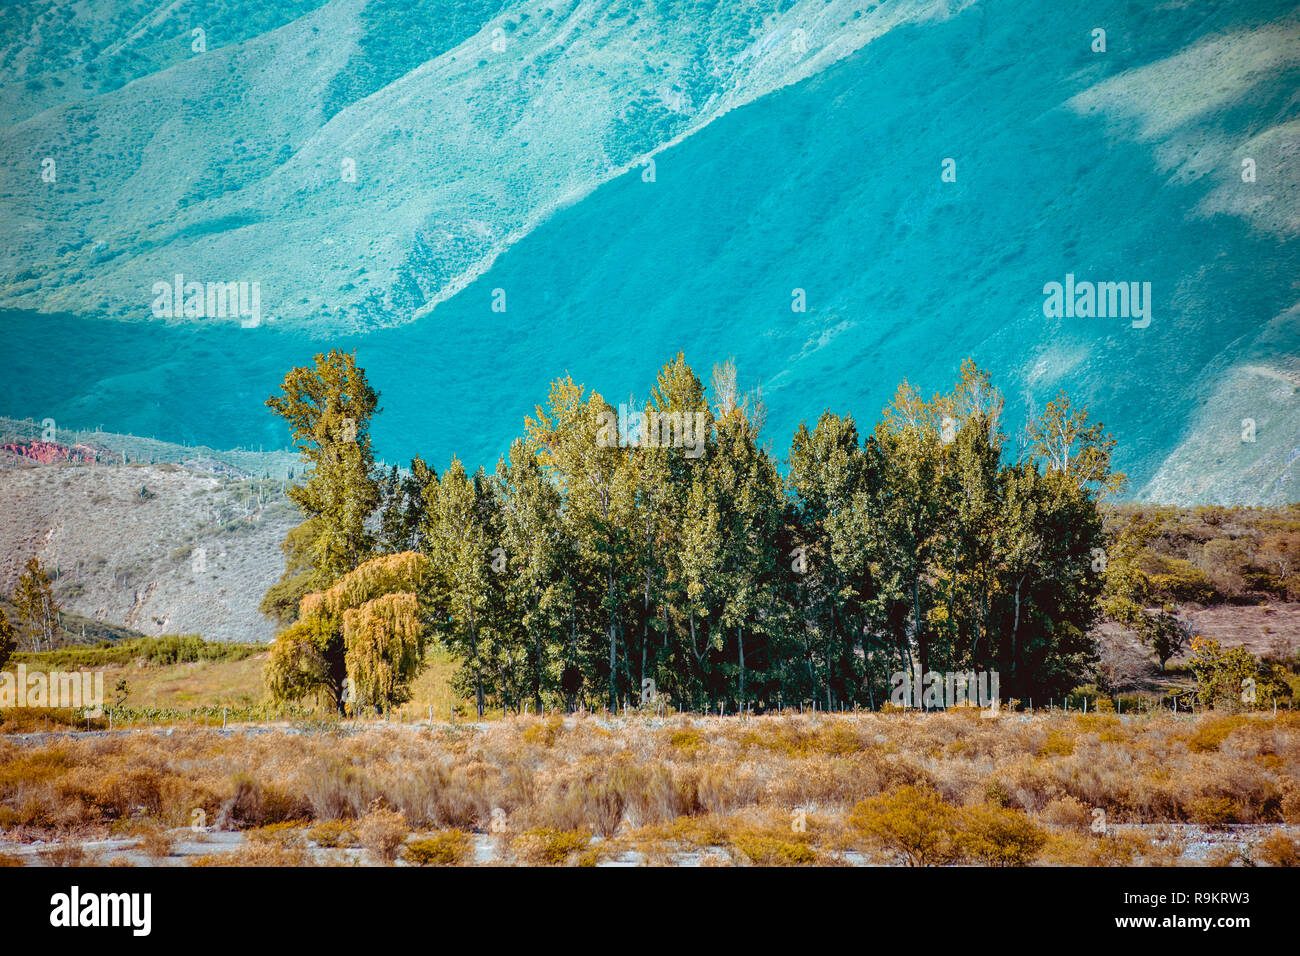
(360, 641)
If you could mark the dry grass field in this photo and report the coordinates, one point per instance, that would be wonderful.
(852, 789)
(192, 686)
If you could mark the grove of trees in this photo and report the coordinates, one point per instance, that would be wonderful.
(581, 570)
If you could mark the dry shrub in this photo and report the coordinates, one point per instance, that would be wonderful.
(382, 832)
(21, 767)
(286, 834)
(1166, 849)
(1066, 848)
(543, 732)
(1066, 811)
(1214, 812)
(657, 793)
(336, 790)
(837, 740)
(1209, 732)
(333, 833)
(912, 825)
(1058, 744)
(763, 850)
(722, 787)
(696, 831)
(254, 805)
(772, 847)
(156, 845)
(132, 790)
(8, 859)
(1289, 808)
(445, 848)
(596, 794)
(592, 855)
(1278, 849)
(256, 854)
(548, 847)
(673, 784)
(65, 854)
(23, 720)
(1220, 856)
(661, 842)
(998, 837)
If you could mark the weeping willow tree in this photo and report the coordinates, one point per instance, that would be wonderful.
(365, 629)
(384, 644)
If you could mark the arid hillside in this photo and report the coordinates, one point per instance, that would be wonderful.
(162, 548)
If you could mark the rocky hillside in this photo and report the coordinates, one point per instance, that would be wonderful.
(160, 548)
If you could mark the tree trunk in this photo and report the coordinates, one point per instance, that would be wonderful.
(922, 645)
(627, 663)
(699, 657)
(1015, 628)
(537, 672)
(740, 645)
(613, 645)
(478, 665)
(645, 632)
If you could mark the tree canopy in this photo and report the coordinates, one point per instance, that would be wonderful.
(658, 550)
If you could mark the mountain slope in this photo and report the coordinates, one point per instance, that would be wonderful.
(488, 175)
(272, 157)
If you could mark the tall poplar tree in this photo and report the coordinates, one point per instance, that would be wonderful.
(329, 406)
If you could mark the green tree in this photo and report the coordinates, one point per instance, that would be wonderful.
(1164, 633)
(1068, 443)
(533, 556)
(457, 540)
(579, 444)
(749, 497)
(910, 514)
(34, 599)
(280, 602)
(830, 558)
(328, 407)
(8, 639)
(1234, 678)
(401, 506)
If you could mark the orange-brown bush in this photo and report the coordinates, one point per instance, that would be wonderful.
(1278, 849)
(333, 833)
(912, 825)
(995, 836)
(382, 832)
(675, 783)
(548, 847)
(157, 845)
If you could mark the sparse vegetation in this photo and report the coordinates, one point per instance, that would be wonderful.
(899, 788)
(445, 848)
(153, 651)
(382, 832)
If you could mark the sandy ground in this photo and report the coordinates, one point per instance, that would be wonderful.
(1199, 844)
